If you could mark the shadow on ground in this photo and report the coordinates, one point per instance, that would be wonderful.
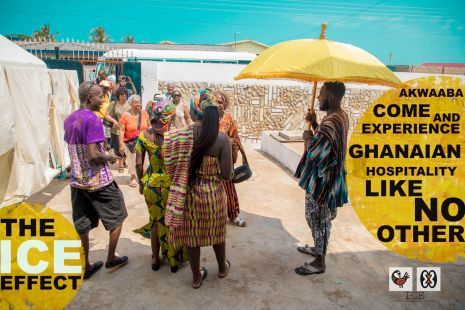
(47, 194)
(263, 257)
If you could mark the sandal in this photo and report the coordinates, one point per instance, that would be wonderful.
(240, 222)
(117, 262)
(307, 270)
(204, 276)
(93, 269)
(133, 183)
(156, 266)
(221, 276)
(307, 250)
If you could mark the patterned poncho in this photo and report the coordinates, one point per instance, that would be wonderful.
(323, 173)
(178, 148)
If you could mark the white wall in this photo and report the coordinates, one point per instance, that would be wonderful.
(153, 71)
(149, 71)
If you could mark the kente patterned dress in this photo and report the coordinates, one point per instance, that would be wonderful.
(156, 187)
(228, 126)
(205, 212)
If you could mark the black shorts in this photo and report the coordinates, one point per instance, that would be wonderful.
(106, 204)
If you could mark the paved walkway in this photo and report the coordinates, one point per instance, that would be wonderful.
(263, 257)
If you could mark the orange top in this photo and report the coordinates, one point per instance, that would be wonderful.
(228, 126)
(130, 121)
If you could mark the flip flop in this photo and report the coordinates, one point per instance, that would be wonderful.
(239, 222)
(227, 270)
(156, 266)
(307, 270)
(93, 269)
(204, 276)
(306, 250)
(133, 183)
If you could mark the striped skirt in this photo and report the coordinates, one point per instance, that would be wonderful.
(205, 213)
(233, 200)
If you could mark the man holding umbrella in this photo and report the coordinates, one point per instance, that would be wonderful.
(323, 174)
(321, 170)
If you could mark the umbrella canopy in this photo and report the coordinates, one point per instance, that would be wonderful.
(319, 61)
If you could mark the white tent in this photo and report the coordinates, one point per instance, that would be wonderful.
(34, 102)
(13, 55)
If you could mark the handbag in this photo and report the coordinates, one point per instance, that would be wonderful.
(243, 172)
(131, 144)
(107, 122)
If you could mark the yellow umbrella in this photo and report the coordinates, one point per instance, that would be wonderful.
(319, 61)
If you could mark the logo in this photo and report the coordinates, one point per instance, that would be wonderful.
(41, 259)
(429, 279)
(400, 279)
(406, 184)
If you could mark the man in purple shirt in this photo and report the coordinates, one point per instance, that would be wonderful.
(94, 193)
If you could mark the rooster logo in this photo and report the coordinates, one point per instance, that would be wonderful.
(397, 278)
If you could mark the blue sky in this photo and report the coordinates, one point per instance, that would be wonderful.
(415, 31)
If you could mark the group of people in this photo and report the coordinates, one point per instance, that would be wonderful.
(190, 150)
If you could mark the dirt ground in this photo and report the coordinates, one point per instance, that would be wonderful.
(263, 257)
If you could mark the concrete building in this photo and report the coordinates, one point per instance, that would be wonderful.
(249, 46)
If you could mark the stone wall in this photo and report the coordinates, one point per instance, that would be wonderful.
(258, 108)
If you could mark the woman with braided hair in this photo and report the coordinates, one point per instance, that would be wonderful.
(228, 126)
(155, 184)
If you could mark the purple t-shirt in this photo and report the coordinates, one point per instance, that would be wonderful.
(82, 128)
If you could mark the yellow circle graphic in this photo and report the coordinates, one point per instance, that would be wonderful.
(41, 260)
(406, 169)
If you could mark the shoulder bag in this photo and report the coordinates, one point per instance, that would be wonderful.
(131, 144)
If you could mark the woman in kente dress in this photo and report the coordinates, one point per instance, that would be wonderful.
(201, 221)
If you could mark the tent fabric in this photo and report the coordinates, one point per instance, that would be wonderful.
(40, 100)
(7, 130)
(14, 55)
(34, 102)
(30, 90)
(61, 105)
(7, 136)
(73, 86)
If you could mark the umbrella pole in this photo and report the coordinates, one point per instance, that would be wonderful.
(312, 103)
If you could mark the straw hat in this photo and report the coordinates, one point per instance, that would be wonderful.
(105, 83)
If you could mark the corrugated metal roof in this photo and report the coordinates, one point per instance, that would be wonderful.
(86, 46)
(184, 55)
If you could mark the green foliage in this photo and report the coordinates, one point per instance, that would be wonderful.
(44, 34)
(128, 39)
(99, 35)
